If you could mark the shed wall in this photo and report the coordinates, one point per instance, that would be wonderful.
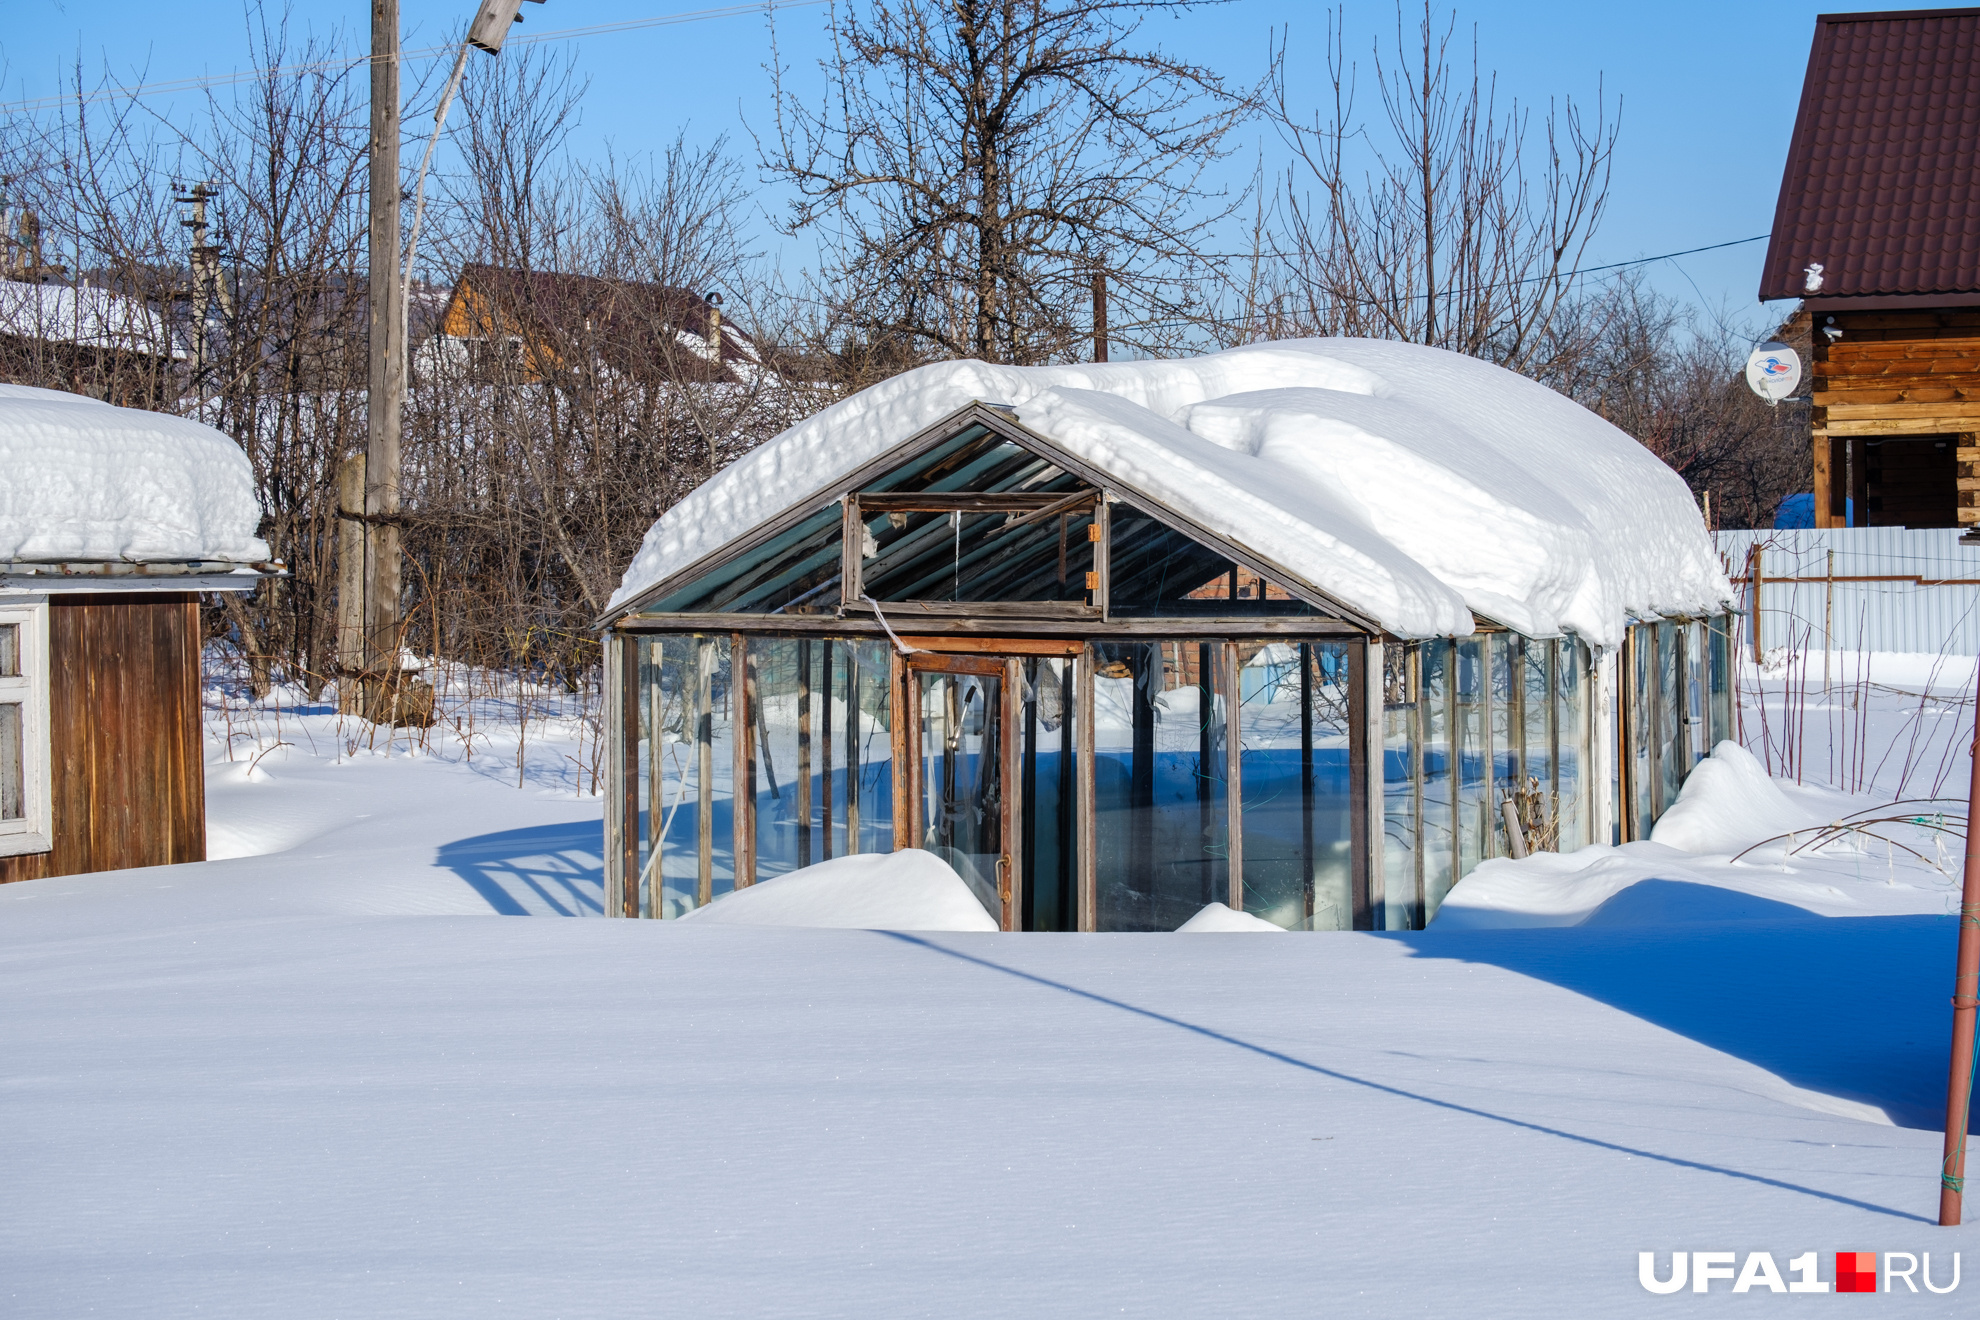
(127, 775)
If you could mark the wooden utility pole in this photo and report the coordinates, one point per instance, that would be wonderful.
(1966, 1006)
(1099, 316)
(350, 585)
(388, 372)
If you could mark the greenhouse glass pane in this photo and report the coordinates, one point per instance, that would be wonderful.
(686, 767)
(1294, 777)
(1402, 880)
(1160, 822)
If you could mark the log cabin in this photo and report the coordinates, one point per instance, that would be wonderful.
(113, 523)
(1311, 629)
(1877, 233)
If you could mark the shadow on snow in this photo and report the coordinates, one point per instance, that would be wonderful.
(543, 871)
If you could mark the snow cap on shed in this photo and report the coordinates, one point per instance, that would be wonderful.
(85, 481)
(1415, 485)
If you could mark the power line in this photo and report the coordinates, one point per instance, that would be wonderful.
(168, 86)
(1454, 293)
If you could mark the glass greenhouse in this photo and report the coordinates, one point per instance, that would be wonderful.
(1104, 712)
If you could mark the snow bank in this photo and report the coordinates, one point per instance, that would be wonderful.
(88, 481)
(1219, 919)
(1729, 802)
(1413, 484)
(908, 890)
(1685, 873)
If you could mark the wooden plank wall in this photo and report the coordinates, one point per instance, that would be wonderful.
(128, 771)
(1897, 374)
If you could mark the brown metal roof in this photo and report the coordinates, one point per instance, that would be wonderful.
(1882, 186)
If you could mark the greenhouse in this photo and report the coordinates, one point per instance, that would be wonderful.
(1310, 630)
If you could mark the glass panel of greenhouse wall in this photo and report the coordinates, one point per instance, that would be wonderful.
(685, 768)
(1697, 720)
(1047, 751)
(1160, 825)
(823, 761)
(1572, 784)
(1456, 747)
(1472, 766)
(1719, 639)
(1672, 757)
(1437, 666)
(1504, 662)
(1294, 774)
(1402, 880)
(1640, 683)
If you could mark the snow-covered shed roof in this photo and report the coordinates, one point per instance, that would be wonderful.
(88, 317)
(1416, 486)
(91, 483)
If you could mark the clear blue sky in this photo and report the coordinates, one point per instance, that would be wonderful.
(1708, 89)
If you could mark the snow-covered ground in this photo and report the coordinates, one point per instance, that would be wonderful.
(307, 1079)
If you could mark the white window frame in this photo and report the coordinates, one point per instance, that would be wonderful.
(34, 832)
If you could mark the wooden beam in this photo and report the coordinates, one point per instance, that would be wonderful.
(797, 625)
(1824, 489)
(1231, 683)
(906, 737)
(627, 800)
(852, 554)
(1842, 411)
(1366, 807)
(874, 501)
(742, 781)
(980, 609)
(996, 645)
(1904, 426)
(1087, 805)
(1010, 881)
(704, 787)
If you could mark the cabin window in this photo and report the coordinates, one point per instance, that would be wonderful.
(25, 825)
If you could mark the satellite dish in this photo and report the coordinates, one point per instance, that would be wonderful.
(1773, 370)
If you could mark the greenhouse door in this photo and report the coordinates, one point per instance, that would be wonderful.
(959, 751)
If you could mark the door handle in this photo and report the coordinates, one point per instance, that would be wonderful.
(1004, 878)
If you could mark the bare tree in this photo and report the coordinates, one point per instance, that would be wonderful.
(1673, 379)
(972, 164)
(1429, 224)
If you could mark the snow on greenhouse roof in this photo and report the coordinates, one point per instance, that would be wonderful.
(86, 481)
(1414, 485)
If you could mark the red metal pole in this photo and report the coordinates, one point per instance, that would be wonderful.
(1966, 998)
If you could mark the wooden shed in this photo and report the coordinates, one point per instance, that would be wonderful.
(113, 522)
(1877, 232)
(1117, 642)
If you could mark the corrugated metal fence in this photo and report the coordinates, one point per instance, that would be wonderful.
(1864, 588)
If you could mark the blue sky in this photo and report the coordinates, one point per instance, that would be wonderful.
(1708, 90)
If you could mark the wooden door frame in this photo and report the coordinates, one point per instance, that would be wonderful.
(979, 659)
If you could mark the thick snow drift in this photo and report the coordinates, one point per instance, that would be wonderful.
(907, 890)
(1413, 484)
(88, 481)
(1685, 873)
(1728, 802)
